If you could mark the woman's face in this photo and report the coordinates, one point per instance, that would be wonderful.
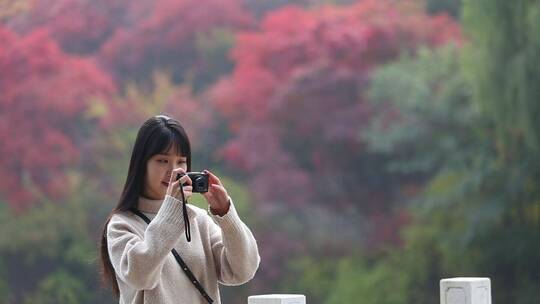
(158, 172)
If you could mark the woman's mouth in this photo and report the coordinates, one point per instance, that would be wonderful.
(166, 184)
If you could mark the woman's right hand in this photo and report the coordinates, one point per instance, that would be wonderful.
(174, 185)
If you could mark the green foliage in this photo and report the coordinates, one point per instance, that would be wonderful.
(436, 133)
(354, 279)
(427, 101)
(213, 47)
(4, 288)
(481, 196)
(502, 63)
(58, 231)
(59, 287)
(451, 7)
(313, 277)
(50, 250)
(359, 282)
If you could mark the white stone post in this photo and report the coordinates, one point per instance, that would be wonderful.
(466, 291)
(277, 299)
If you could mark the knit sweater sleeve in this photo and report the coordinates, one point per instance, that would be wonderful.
(138, 260)
(234, 248)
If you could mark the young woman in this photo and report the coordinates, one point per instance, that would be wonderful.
(136, 257)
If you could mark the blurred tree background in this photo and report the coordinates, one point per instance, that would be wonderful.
(373, 146)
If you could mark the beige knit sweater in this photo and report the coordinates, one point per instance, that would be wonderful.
(222, 249)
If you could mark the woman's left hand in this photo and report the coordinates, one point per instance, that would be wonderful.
(217, 196)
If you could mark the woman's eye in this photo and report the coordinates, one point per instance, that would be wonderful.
(182, 162)
(162, 160)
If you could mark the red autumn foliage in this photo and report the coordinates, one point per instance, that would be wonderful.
(78, 26)
(357, 38)
(165, 36)
(297, 103)
(132, 39)
(44, 94)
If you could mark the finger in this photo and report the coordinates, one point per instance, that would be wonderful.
(218, 188)
(208, 195)
(175, 172)
(212, 178)
(173, 186)
(185, 180)
(188, 190)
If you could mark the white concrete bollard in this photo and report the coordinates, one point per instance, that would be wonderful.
(466, 291)
(277, 299)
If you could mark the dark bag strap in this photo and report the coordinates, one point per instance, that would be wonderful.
(185, 268)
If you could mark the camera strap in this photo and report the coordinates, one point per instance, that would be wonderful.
(185, 214)
(181, 262)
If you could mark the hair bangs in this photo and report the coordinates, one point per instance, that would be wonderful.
(167, 139)
(181, 143)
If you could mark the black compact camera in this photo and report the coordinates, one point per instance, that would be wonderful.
(199, 179)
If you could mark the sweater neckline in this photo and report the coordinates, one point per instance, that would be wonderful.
(149, 205)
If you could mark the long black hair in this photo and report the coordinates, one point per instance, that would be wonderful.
(157, 135)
